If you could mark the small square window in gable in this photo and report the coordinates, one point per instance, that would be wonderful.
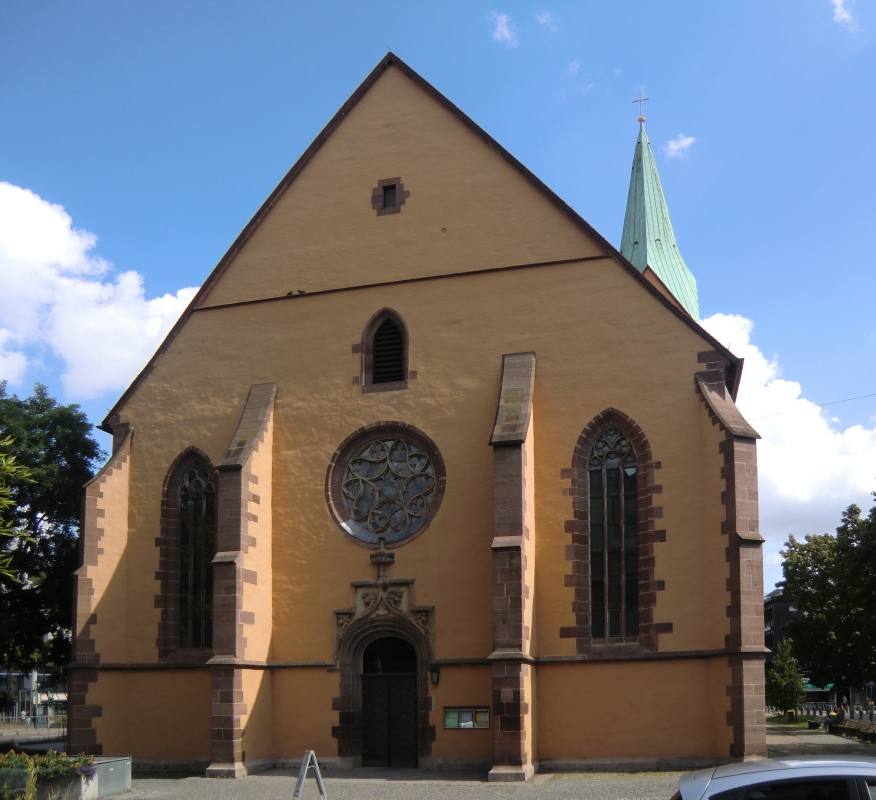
(389, 196)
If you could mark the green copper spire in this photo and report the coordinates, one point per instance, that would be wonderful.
(648, 239)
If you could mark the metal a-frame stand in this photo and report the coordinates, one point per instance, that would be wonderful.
(309, 762)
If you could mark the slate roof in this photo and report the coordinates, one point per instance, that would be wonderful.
(648, 239)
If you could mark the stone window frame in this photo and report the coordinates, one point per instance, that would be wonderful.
(352, 444)
(579, 551)
(168, 560)
(401, 196)
(366, 349)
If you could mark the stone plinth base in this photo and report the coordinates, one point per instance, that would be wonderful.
(663, 763)
(231, 770)
(511, 774)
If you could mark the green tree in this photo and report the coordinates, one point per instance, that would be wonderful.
(784, 683)
(9, 471)
(833, 580)
(54, 443)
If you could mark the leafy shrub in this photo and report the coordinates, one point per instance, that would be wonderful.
(51, 765)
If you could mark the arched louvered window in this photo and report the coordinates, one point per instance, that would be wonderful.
(388, 353)
(614, 562)
(197, 546)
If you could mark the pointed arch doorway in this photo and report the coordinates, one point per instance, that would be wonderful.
(389, 703)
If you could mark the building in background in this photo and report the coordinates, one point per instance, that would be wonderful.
(777, 611)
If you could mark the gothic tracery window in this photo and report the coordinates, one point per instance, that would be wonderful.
(387, 488)
(385, 481)
(614, 565)
(197, 546)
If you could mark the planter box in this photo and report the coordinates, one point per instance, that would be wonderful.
(70, 787)
(112, 776)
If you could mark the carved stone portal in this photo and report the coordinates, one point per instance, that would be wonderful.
(384, 598)
(382, 607)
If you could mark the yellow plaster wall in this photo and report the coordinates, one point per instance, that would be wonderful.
(302, 712)
(106, 519)
(719, 704)
(468, 209)
(629, 710)
(258, 722)
(258, 597)
(462, 686)
(692, 561)
(459, 332)
(196, 425)
(153, 715)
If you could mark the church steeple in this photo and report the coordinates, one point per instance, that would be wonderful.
(648, 239)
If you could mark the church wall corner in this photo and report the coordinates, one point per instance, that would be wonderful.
(100, 593)
(745, 690)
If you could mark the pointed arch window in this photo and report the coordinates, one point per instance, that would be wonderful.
(388, 365)
(197, 547)
(613, 512)
(384, 351)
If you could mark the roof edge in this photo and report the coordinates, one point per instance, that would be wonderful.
(248, 231)
(390, 59)
(124, 449)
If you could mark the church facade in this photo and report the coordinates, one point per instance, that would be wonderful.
(428, 474)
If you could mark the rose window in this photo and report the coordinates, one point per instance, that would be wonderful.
(387, 488)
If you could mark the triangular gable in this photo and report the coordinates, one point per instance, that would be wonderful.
(465, 208)
(391, 60)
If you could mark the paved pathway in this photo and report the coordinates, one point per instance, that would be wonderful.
(411, 784)
(19, 735)
(782, 740)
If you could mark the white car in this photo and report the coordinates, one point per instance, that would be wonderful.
(802, 778)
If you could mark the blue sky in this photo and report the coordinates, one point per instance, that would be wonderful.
(160, 127)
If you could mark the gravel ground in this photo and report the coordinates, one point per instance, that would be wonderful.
(412, 785)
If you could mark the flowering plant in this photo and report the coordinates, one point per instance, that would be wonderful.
(86, 771)
(51, 765)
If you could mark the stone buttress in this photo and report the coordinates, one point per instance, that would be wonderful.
(242, 586)
(747, 715)
(513, 570)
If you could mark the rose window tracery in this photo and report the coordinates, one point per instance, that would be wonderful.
(387, 488)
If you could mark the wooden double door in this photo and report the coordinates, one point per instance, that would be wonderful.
(389, 709)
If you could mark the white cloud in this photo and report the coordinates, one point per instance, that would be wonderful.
(842, 16)
(677, 147)
(546, 19)
(574, 67)
(810, 467)
(12, 364)
(58, 295)
(504, 31)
